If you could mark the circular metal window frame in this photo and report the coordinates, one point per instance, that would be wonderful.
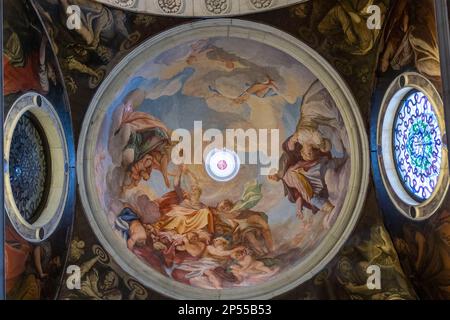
(408, 205)
(339, 91)
(49, 121)
(48, 163)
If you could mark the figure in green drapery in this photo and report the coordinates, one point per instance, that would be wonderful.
(250, 198)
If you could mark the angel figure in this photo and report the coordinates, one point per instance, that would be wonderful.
(147, 146)
(310, 155)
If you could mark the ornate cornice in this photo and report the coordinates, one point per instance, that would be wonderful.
(199, 8)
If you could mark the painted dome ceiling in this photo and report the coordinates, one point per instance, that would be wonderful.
(210, 170)
(200, 8)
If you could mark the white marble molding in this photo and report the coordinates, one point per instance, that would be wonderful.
(199, 8)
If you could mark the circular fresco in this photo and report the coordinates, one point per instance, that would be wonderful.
(36, 167)
(412, 148)
(223, 159)
(28, 167)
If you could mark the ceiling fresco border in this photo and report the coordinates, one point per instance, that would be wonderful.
(200, 8)
(359, 180)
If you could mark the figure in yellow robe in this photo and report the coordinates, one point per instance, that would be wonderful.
(188, 216)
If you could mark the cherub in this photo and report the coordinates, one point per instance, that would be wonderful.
(247, 265)
(218, 252)
(218, 249)
(258, 89)
(137, 235)
(194, 243)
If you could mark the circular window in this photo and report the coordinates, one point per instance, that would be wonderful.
(222, 165)
(36, 167)
(412, 146)
(418, 145)
(178, 162)
(29, 166)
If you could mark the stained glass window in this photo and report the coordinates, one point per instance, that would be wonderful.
(29, 167)
(417, 145)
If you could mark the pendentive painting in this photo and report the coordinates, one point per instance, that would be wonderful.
(240, 97)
